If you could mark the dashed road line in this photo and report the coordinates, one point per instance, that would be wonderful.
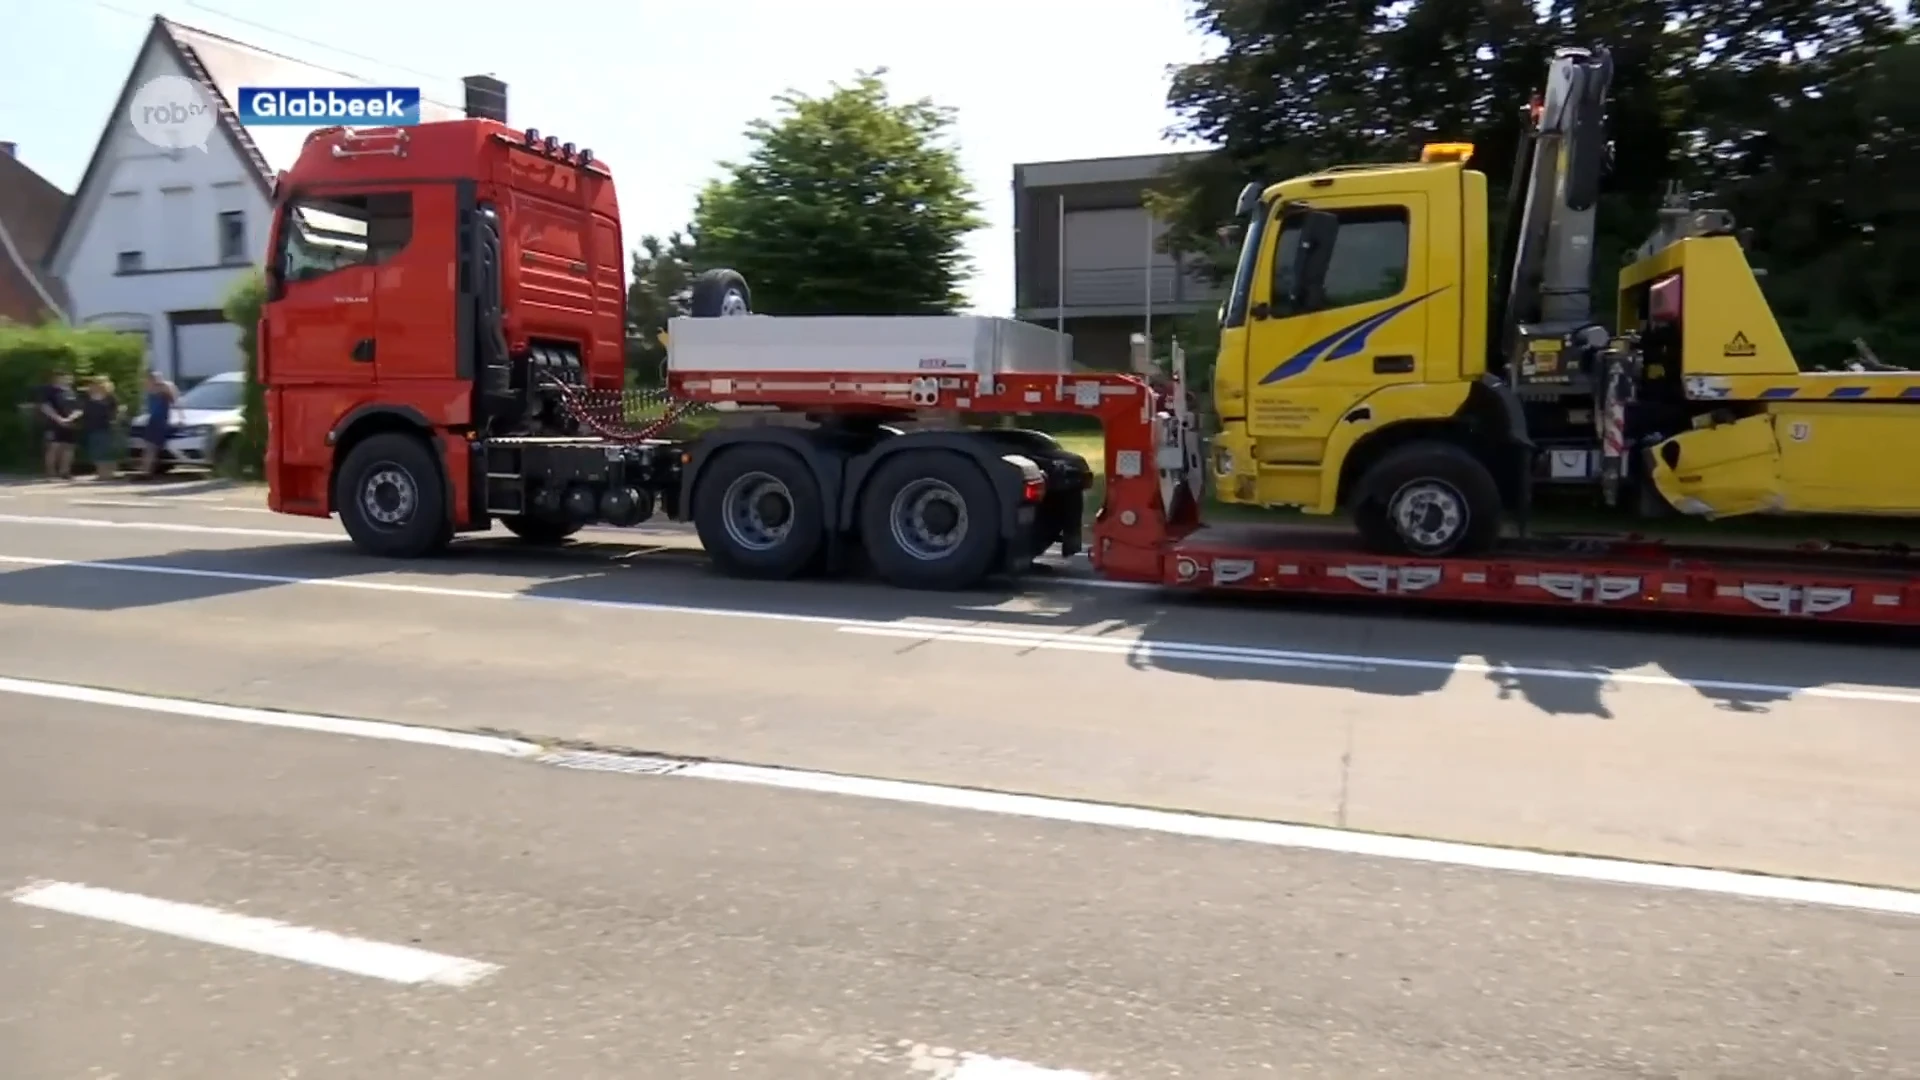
(267, 937)
(1258, 833)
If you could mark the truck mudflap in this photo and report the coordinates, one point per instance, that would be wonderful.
(1621, 575)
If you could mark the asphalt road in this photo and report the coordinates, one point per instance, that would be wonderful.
(660, 926)
(1722, 748)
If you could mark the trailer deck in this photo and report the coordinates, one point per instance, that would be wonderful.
(1150, 529)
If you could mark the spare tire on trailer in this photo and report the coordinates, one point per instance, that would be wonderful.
(720, 294)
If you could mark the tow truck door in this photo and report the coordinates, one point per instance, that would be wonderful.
(1309, 366)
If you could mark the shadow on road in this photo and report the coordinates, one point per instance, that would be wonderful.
(1562, 663)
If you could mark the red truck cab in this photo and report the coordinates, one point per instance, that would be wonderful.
(408, 268)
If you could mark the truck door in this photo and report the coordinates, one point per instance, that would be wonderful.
(1310, 363)
(322, 329)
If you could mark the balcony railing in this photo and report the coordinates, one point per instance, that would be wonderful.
(1125, 287)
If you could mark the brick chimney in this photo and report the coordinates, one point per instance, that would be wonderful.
(486, 97)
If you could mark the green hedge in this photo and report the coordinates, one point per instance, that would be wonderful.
(243, 309)
(29, 353)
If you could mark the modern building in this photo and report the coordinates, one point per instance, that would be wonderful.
(154, 238)
(1086, 254)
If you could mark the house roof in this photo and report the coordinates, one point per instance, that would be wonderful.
(30, 208)
(224, 65)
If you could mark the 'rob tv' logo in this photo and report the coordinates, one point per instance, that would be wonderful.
(325, 106)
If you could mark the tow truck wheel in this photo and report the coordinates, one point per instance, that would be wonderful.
(758, 512)
(720, 294)
(1431, 499)
(539, 530)
(930, 519)
(391, 498)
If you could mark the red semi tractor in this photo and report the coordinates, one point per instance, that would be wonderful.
(443, 348)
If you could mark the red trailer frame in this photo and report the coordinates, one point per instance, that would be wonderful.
(1146, 533)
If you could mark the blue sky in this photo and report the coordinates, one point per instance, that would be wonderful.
(661, 89)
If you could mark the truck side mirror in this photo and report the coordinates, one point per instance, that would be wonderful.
(1318, 228)
(1248, 202)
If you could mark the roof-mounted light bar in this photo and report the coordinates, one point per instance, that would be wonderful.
(1433, 153)
(551, 146)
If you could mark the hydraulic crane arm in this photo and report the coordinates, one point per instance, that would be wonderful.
(1547, 285)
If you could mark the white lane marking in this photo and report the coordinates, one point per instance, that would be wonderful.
(974, 634)
(1318, 838)
(166, 526)
(268, 937)
(1149, 650)
(238, 714)
(1108, 815)
(982, 1067)
(942, 1063)
(1284, 658)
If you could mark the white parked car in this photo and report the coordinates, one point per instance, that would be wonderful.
(205, 420)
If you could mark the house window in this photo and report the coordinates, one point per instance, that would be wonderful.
(233, 237)
(129, 262)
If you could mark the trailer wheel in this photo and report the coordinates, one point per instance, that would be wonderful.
(1428, 498)
(720, 294)
(759, 514)
(539, 530)
(930, 519)
(391, 498)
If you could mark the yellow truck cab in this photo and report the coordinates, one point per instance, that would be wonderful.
(1375, 360)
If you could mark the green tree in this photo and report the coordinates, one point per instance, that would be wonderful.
(848, 203)
(242, 308)
(658, 286)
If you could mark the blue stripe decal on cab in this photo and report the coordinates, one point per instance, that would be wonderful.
(1911, 392)
(1349, 340)
(1780, 392)
(1849, 391)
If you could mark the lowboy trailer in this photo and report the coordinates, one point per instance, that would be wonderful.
(442, 349)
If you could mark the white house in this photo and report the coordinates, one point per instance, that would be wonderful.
(153, 239)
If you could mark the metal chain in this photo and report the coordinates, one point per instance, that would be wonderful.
(606, 413)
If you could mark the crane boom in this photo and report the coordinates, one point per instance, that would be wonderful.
(1549, 287)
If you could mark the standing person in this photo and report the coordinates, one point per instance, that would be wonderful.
(160, 396)
(97, 416)
(60, 414)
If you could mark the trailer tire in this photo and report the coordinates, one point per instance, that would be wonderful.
(391, 498)
(720, 294)
(930, 519)
(1431, 499)
(539, 530)
(759, 513)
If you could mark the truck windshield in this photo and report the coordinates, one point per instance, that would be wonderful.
(1235, 311)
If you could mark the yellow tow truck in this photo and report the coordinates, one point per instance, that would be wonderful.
(1375, 361)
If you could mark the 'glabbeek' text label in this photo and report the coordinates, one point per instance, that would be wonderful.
(320, 106)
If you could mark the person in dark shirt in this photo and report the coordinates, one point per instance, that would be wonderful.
(97, 415)
(60, 417)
